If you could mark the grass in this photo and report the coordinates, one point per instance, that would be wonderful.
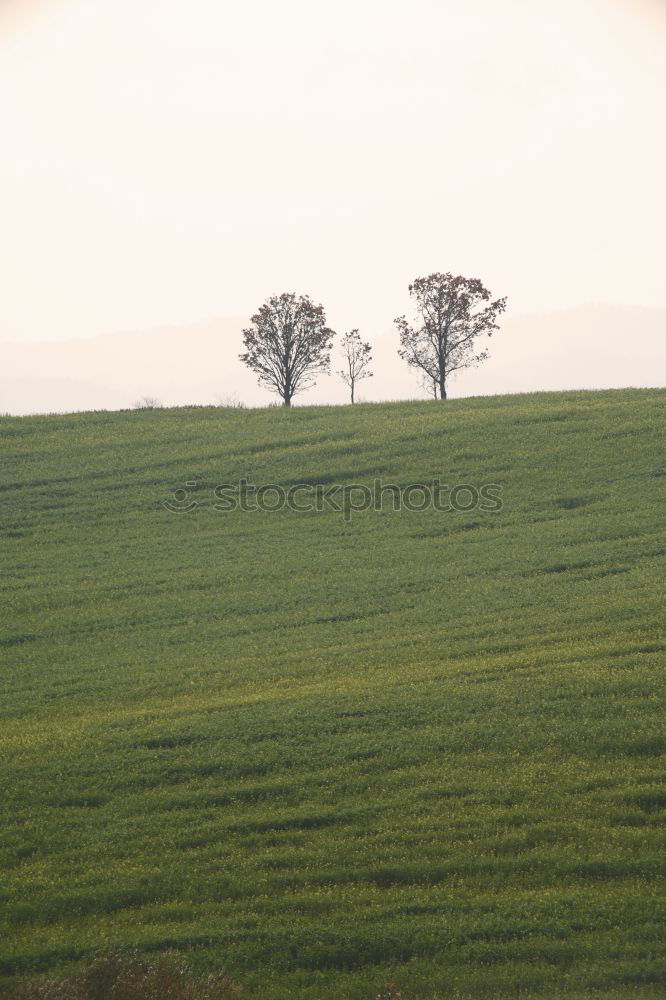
(122, 976)
(419, 748)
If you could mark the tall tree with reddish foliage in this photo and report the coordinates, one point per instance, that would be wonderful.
(452, 313)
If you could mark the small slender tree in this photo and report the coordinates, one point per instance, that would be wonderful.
(451, 315)
(288, 344)
(357, 358)
(428, 384)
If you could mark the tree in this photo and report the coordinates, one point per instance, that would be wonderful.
(357, 358)
(288, 344)
(451, 315)
(428, 384)
(148, 403)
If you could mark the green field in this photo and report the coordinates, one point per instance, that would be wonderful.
(329, 753)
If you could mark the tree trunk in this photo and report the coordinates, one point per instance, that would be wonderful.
(442, 387)
(352, 392)
(287, 401)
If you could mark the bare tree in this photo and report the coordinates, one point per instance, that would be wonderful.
(451, 315)
(148, 403)
(357, 358)
(428, 384)
(230, 402)
(288, 344)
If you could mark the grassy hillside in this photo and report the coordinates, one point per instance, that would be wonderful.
(419, 747)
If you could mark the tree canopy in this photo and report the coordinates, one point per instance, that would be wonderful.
(288, 344)
(451, 314)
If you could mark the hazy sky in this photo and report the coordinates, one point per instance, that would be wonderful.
(164, 161)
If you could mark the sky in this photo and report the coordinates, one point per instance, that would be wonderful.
(167, 162)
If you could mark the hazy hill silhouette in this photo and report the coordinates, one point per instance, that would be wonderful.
(595, 346)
